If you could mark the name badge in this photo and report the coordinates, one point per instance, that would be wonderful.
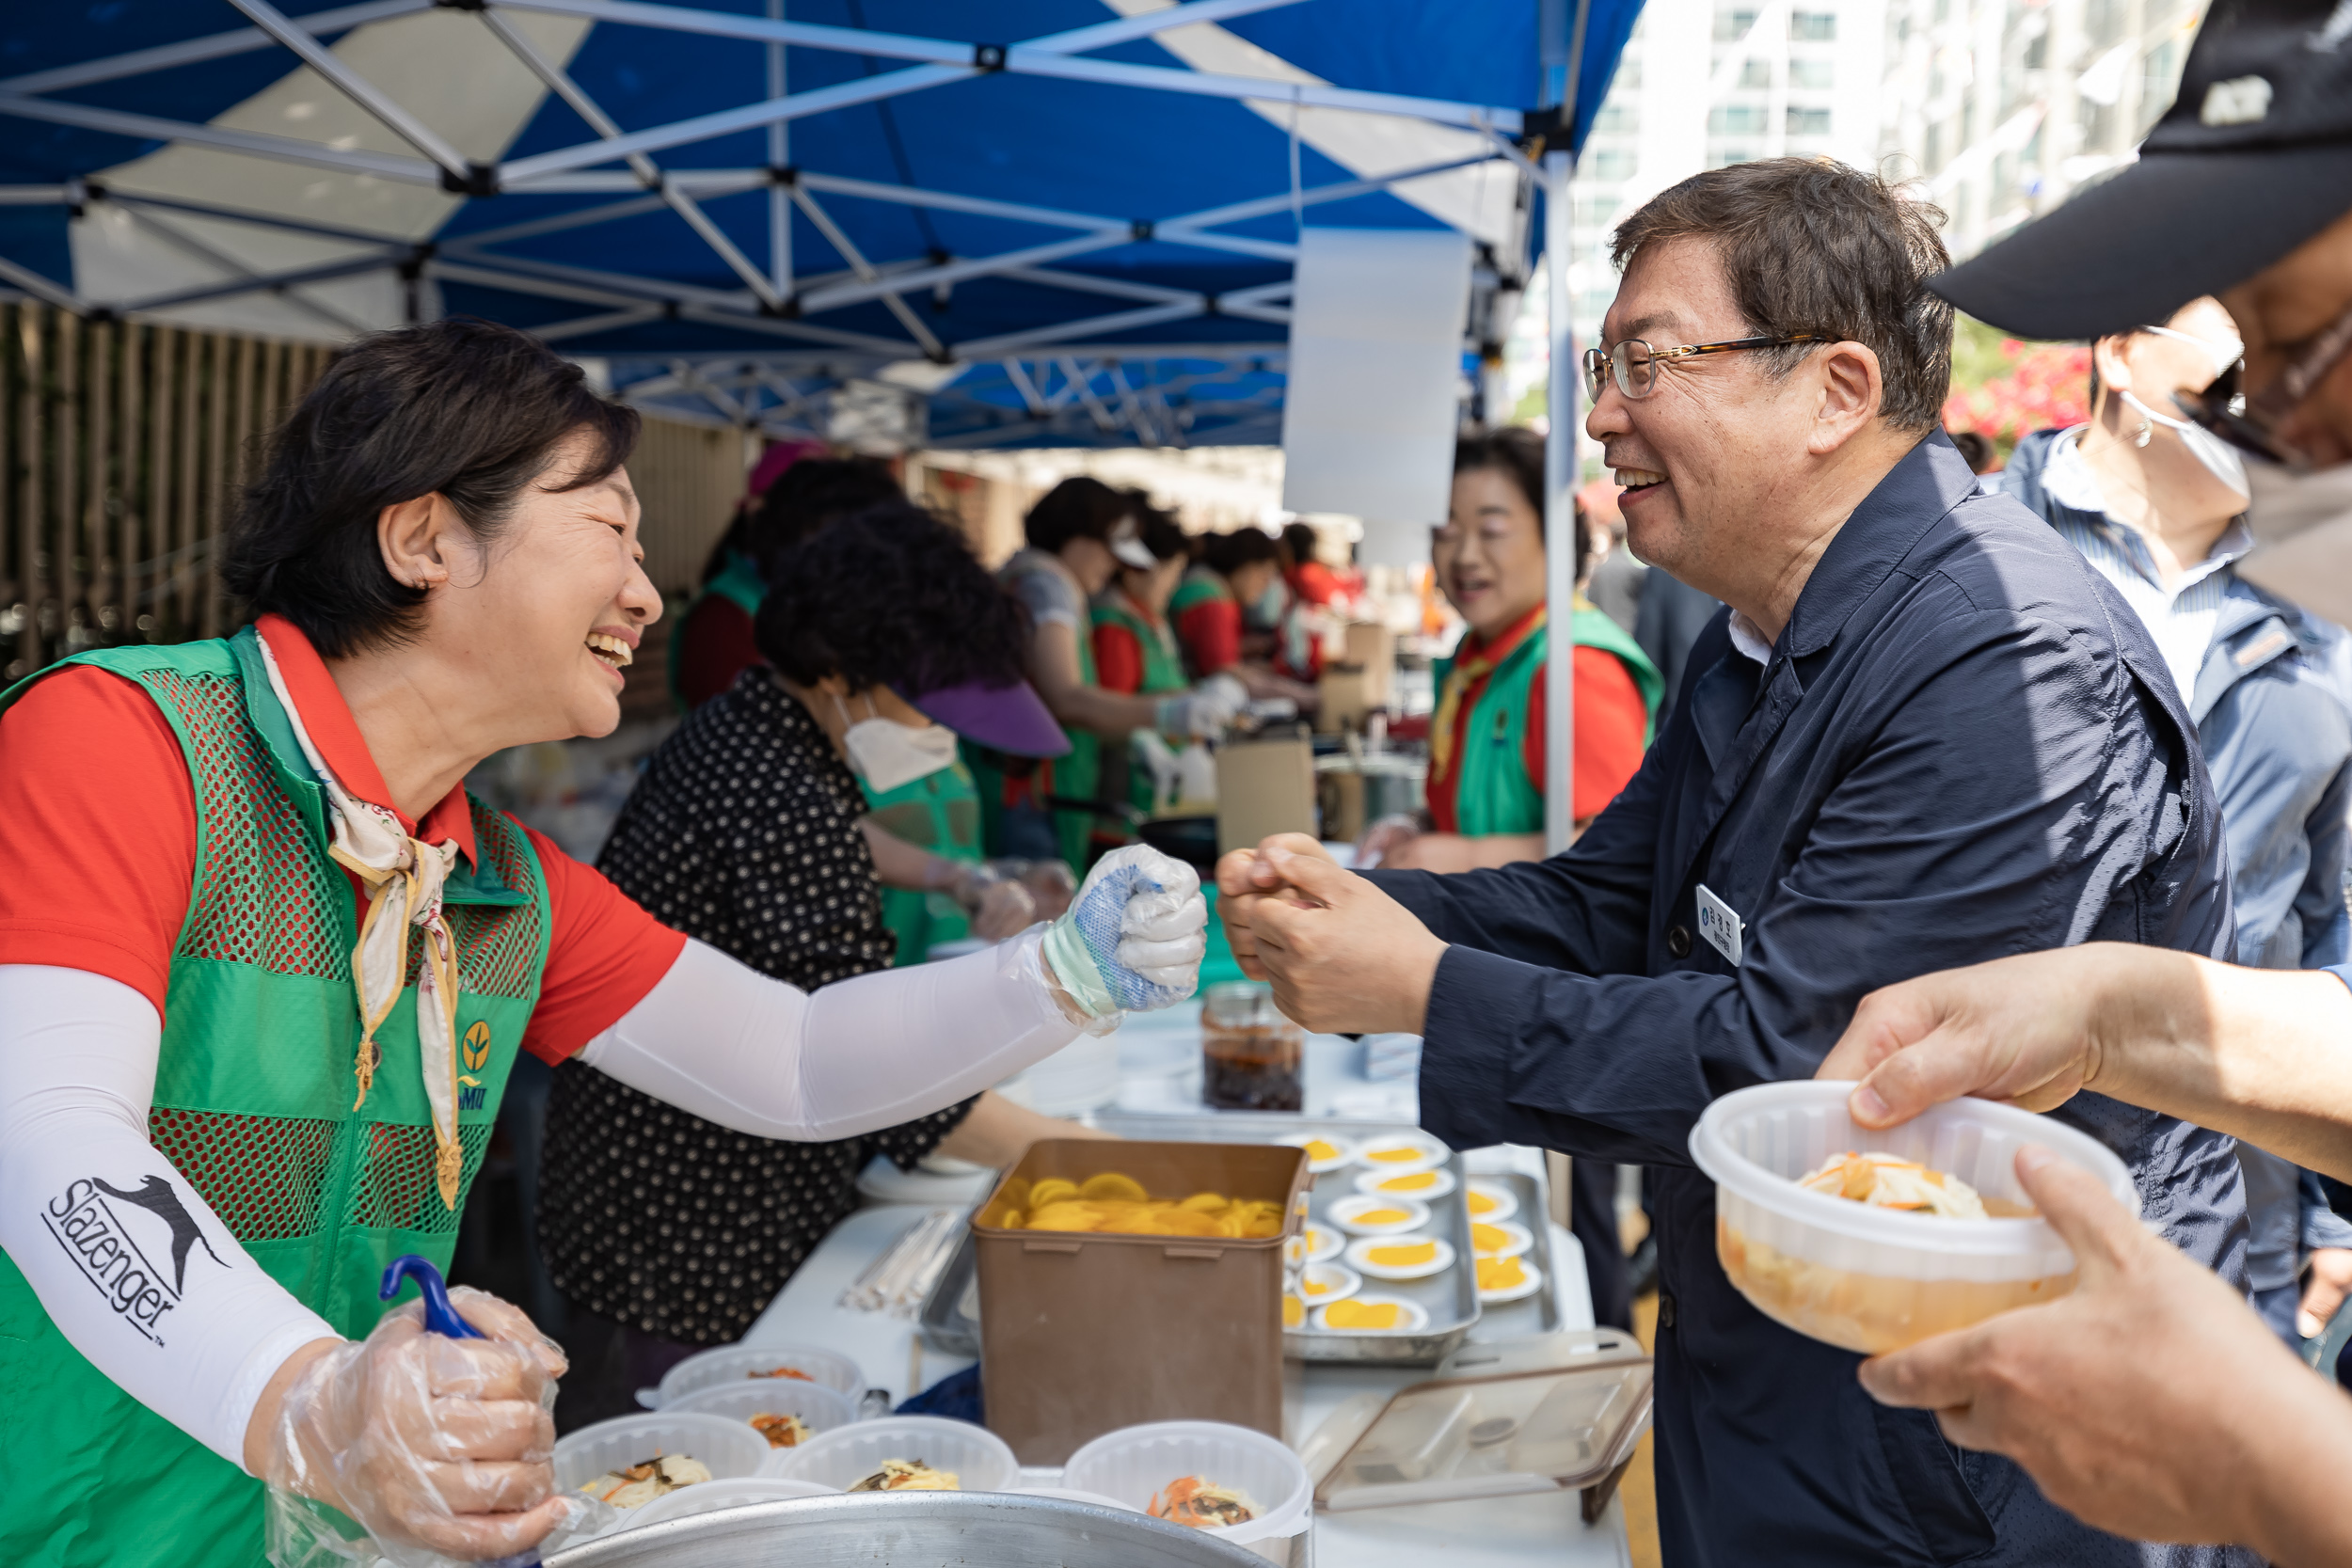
(1719, 926)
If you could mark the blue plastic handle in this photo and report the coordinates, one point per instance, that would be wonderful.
(440, 1316)
(442, 1319)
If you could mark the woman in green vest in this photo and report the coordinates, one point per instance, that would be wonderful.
(1485, 783)
(1079, 534)
(266, 966)
(1136, 653)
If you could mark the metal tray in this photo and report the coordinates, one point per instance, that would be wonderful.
(951, 1313)
(1540, 1312)
(1450, 1298)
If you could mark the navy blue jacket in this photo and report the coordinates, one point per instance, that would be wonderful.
(1965, 746)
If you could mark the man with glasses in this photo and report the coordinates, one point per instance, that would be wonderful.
(1923, 730)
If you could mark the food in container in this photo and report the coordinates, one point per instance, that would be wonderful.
(782, 1430)
(1866, 1277)
(1422, 1185)
(1401, 1257)
(1324, 1151)
(1378, 1216)
(1294, 1311)
(1367, 1313)
(1491, 1200)
(1400, 1152)
(783, 1372)
(1509, 1278)
(635, 1485)
(977, 1457)
(1251, 1057)
(1312, 1244)
(1328, 1282)
(772, 1365)
(909, 1474)
(1202, 1504)
(1499, 1239)
(1891, 1181)
(1113, 1203)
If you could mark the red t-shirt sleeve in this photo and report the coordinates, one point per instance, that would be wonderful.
(713, 645)
(1610, 720)
(604, 954)
(1118, 659)
(1210, 633)
(97, 830)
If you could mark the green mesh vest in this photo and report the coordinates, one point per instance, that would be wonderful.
(253, 1105)
(1163, 675)
(939, 811)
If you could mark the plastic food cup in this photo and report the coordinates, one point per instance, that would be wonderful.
(822, 1409)
(1136, 1463)
(717, 1496)
(1072, 1495)
(739, 1363)
(729, 1449)
(847, 1455)
(1873, 1279)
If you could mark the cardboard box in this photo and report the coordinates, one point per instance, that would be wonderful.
(1264, 787)
(1374, 647)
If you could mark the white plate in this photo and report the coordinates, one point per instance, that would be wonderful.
(1435, 1182)
(1505, 1201)
(1343, 1214)
(1411, 1318)
(1517, 1239)
(1338, 1284)
(1345, 1150)
(1314, 1243)
(1525, 1288)
(1359, 1255)
(1418, 1151)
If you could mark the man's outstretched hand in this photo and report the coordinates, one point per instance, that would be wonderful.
(1343, 956)
(2152, 1402)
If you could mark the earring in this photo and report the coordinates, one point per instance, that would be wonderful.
(2146, 430)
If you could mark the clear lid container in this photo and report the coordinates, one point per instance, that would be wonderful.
(1537, 1429)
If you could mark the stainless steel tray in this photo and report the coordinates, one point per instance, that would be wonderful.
(951, 1313)
(1540, 1312)
(1450, 1298)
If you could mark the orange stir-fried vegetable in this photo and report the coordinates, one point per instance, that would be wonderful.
(786, 1371)
(1890, 1181)
(1114, 1203)
(1202, 1504)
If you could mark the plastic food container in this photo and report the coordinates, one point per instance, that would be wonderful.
(1135, 1464)
(1072, 1495)
(716, 1497)
(730, 1449)
(822, 1409)
(1873, 1279)
(741, 1362)
(847, 1455)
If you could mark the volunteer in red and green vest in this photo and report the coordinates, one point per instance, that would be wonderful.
(1079, 534)
(796, 488)
(1486, 783)
(266, 966)
(1229, 572)
(1135, 652)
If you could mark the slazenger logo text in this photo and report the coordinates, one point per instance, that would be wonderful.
(89, 1221)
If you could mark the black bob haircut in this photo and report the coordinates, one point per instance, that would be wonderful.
(1080, 507)
(1228, 553)
(893, 596)
(804, 498)
(465, 409)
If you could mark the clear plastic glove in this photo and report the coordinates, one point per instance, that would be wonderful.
(1133, 938)
(1158, 762)
(440, 1447)
(1051, 883)
(1205, 710)
(994, 902)
(1383, 838)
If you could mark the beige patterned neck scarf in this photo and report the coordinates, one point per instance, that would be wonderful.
(402, 876)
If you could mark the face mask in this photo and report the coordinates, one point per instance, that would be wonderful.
(885, 754)
(2302, 525)
(1270, 606)
(2221, 460)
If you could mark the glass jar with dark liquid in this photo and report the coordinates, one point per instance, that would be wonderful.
(1251, 1056)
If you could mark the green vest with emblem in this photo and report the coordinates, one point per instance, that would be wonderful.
(254, 1106)
(1494, 793)
(939, 811)
(1163, 675)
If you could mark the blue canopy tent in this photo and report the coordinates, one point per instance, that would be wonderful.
(1028, 222)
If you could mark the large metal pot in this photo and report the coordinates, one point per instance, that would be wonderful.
(912, 1529)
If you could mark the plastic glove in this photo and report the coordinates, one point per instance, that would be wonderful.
(1051, 883)
(440, 1447)
(994, 903)
(1205, 710)
(1159, 763)
(1133, 937)
(1383, 838)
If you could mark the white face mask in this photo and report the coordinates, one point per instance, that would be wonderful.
(2221, 460)
(2302, 524)
(886, 755)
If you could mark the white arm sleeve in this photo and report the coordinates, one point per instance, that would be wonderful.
(729, 1044)
(131, 1264)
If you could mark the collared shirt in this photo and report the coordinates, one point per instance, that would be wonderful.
(1960, 746)
(2181, 616)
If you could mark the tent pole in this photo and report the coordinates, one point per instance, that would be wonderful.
(1560, 469)
(779, 156)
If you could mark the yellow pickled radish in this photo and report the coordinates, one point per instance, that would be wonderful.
(1405, 1255)
(1293, 1311)
(1481, 1204)
(1500, 1274)
(1383, 1216)
(1319, 1150)
(1111, 1185)
(1205, 1203)
(1401, 1155)
(1361, 1314)
(1418, 1182)
(1489, 1238)
(1051, 1190)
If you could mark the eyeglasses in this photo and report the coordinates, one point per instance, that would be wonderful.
(2255, 428)
(1634, 363)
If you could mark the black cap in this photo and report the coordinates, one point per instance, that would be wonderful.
(2253, 159)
